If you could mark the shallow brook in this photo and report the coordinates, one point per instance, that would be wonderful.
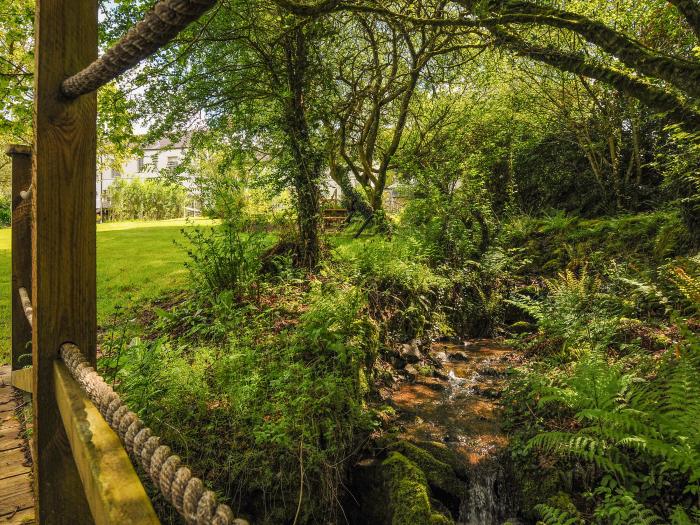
(458, 406)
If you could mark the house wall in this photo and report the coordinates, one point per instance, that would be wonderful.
(148, 167)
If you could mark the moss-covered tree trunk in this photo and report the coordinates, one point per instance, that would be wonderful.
(306, 173)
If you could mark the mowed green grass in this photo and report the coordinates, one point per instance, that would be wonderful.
(136, 261)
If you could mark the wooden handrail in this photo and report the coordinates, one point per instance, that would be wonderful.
(112, 488)
(21, 158)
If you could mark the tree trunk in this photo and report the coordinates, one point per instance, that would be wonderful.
(307, 170)
(356, 201)
(378, 195)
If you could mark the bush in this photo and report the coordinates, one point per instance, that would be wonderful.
(405, 294)
(223, 258)
(640, 435)
(5, 210)
(614, 423)
(271, 417)
(151, 199)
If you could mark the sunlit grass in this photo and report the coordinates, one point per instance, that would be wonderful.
(136, 261)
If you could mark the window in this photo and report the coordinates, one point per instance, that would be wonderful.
(140, 164)
(172, 162)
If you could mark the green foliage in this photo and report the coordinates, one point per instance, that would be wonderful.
(576, 310)
(225, 257)
(562, 241)
(272, 416)
(150, 199)
(404, 292)
(554, 516)
(5, 211)
(639, 434)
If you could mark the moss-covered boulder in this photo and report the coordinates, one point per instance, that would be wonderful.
(441, 476)
(394, 491)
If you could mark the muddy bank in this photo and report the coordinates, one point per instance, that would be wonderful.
(445, 460)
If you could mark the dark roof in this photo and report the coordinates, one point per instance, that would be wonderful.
(166, 143)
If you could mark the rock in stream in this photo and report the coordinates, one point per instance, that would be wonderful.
(447, 464)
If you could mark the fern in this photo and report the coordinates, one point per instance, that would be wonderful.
(621, 508)
(642, 436)
(553, 516)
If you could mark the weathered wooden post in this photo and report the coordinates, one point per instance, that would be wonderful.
(63, 240)
(21, 250)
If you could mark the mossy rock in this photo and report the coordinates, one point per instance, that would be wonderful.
(522, 327)
(562, 501)
(443, 453)
(534, 487)
(393, 491)
(439, 472)
(408, 494)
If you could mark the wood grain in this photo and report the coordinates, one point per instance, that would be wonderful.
(16, 494)
(114, 491)
(23, 379)
(63, 240)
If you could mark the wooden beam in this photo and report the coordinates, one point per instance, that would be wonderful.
(114, 492)
(23, 379)
(63, 240)
(21, 251)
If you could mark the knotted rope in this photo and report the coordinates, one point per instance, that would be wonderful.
(26, 305)
(160, 25)
(187, 493)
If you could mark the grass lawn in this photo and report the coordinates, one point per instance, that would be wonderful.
(136, 261)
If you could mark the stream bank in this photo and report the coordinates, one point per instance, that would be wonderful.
(446, 459)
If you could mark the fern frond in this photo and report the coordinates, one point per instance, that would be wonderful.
(553, 516)
(622, 508)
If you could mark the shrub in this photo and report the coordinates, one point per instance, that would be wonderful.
(272, 418)
(151, 199)
(223, 258)
(5, 210)
(641, 435)
(577, 310)
(404, 293)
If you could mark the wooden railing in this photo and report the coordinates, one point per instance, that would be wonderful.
(105, 479)
(82, 473)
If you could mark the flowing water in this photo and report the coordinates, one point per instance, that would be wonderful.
(460, 408)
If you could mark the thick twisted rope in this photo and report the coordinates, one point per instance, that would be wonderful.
(26, 305)
(174, 480)
(160, 25)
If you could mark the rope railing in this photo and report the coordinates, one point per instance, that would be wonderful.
(159, 26)
(186, 493)
(26, 194)
(26, 305)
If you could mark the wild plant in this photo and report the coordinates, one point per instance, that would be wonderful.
(269, 415)
(404, 292)
(576, 310)
(223, 258)
(152, 199)
(639, 434)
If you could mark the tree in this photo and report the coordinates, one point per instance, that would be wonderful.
(248, 71)
(378, 74)
(664, 77)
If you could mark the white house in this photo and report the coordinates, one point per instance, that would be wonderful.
(166, 154)
(156, 157)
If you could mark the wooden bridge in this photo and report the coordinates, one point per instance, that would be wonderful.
(83, 437)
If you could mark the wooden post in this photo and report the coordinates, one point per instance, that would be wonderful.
(63, 239)
(21, 251)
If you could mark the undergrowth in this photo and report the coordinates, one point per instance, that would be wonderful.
(604, 414)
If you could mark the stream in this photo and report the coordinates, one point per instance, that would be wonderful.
(459, 406)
